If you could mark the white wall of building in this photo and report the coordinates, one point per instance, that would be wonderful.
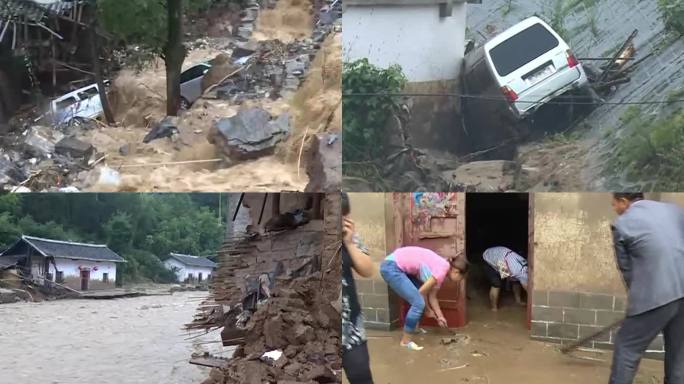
(70, 268)
(184, 271)
(428, 47)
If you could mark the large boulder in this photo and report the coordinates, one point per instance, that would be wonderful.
(250, 134)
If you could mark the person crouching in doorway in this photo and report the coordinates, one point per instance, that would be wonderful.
(355, 359)
(505, 265)
(402, 267)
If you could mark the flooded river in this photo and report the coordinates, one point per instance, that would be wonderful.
(122, 341)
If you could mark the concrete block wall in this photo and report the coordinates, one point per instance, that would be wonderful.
(564, 317)
(380, 304)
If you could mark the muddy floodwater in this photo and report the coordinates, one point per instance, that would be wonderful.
(122, 341)
(493, 348)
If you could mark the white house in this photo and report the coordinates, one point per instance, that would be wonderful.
(78, 266)
(425, 37)
(190, 269)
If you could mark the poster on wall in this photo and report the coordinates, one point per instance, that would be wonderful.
(426, 205)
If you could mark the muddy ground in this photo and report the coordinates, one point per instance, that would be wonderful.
(122, 341)
(494, 348)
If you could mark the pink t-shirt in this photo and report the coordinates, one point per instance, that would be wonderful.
(422, 263)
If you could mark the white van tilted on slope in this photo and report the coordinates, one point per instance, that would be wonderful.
(531, 65)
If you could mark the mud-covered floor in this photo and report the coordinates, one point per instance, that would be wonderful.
(497, 349)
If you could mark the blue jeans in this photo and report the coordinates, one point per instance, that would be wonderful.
(407, 289)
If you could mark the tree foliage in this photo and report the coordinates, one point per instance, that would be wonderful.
(653, 151)
(365, 117)
(673, 12)
(142, 228)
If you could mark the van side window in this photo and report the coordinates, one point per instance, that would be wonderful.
(522, 48)
(193, 73)
(88, 93)
(66, 102)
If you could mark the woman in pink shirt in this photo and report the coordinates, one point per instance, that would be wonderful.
(407, 264)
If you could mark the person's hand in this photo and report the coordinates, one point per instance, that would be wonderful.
(442, 322)
(430, 313)
(347, 230)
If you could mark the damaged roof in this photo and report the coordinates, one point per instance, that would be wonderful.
(69, 250)
(193, 261)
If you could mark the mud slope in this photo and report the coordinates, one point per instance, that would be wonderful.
(139, 102)
(594, 31)
(289, 20)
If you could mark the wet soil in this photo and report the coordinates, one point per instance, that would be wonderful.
(122, 341)
(493, 348)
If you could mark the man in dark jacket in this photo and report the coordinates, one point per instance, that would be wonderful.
(649, 245)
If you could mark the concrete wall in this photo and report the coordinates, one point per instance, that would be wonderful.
(578, 288)
(183, 271)
(428, 46)
(368, 210)
(72, 273)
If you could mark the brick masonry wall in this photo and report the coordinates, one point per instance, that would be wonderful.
(564, 317)
(379, 303)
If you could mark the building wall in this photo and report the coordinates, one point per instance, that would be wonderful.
(427, 46)
(72, 274)
(368, 210)
(184, 271)
(577, 285)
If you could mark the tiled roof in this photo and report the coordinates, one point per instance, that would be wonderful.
(193, 261)
(71, 250)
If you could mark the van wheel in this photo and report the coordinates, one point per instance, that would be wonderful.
(184, 104)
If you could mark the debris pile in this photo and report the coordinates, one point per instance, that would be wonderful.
(293, 336)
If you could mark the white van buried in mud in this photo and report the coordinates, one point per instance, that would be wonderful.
(531, 65)
(81, 104)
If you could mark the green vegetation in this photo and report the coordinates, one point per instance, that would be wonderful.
(365, 117)
(673, 13)
(142, 228)
(508, 7)
(651, 150)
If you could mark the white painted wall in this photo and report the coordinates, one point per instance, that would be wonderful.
(71, 269)
(427, 46)
(184, 271)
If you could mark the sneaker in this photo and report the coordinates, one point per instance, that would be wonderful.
(411, 345)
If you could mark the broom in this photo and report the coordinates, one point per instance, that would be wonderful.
(574, 345)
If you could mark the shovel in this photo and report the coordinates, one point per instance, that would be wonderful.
(572, 346)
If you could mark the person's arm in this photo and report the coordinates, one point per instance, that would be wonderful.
(624, 262)
(434, 304)
(361, 263)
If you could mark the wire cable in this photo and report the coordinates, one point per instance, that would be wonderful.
(492, 98)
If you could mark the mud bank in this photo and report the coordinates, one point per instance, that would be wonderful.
(123, 341)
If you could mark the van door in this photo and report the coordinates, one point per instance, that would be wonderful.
(528, 57)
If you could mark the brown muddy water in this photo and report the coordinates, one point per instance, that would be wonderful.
(493, 348)
(122, 341)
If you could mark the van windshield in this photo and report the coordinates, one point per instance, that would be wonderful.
(522, 48)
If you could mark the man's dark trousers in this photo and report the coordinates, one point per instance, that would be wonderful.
(638, 331)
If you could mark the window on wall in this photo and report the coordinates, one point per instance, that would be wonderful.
(60, 277)
(190, 277)
(105, 277)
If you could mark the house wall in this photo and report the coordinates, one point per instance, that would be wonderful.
(368, 210)
(72, 274)
(184, 271)
(577, 285)
(428, 47)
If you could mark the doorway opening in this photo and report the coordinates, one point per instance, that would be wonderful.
(85, 279)
(496, 220)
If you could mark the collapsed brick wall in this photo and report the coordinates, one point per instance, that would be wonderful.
(243, 258)
(564, 317)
